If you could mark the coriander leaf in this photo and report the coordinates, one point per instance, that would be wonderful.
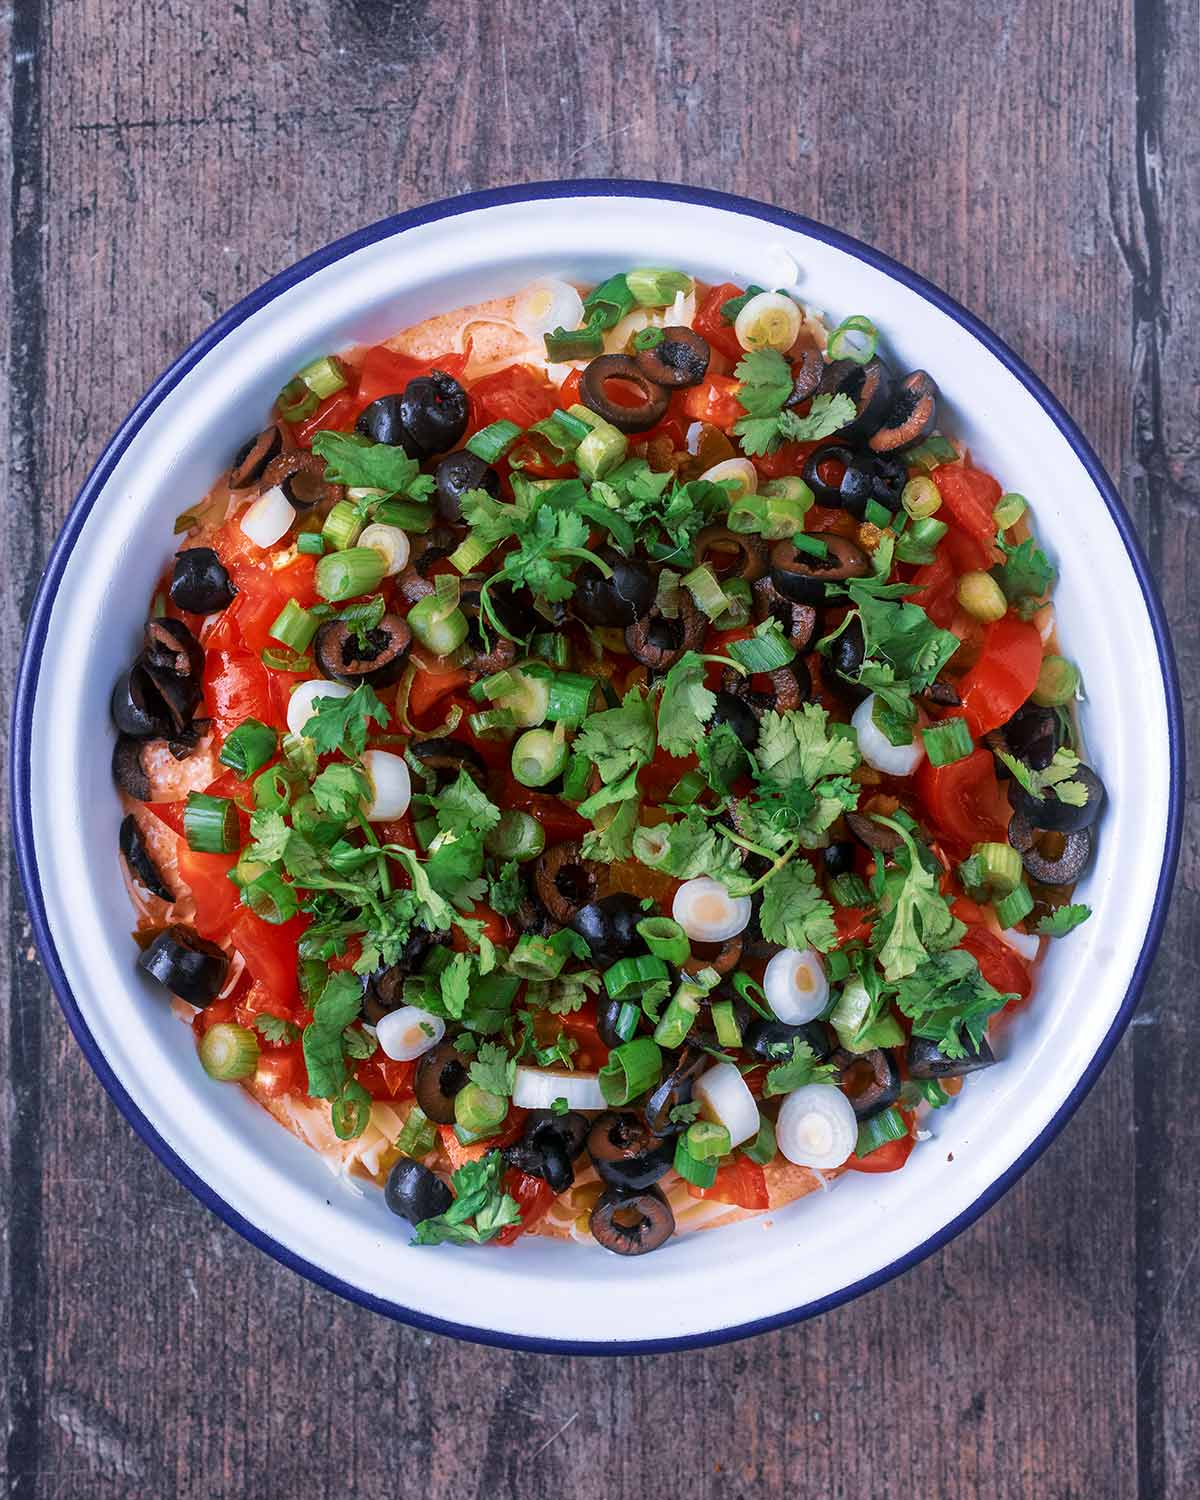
(612, 837)
(1026, 575)
(800, 1069)
(340, 790)
(915, 918)
(455, 984)
(354, 460)
(794, 913)
(462, 807)
(1055, 781)
(826, 415)
(685, 1114)
(358, 1044)
(766, 381)
(802, 744)
(608, 796)
(340, 724)
(685, 707)
(1062, 920)
(453, 864)
(494, 1070)
(564, 995)
(270, 834)
(616, 740)
(766, 385)
(339, 1004)
(506, 891)
(947, 999)
(902, 636)
(687, 848)
(275, 1028)
(478, 1195)
(722, 757)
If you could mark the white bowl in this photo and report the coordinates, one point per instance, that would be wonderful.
(542, 1294)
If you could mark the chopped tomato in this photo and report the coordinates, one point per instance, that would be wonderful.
(709, 323)
(385, 1078)
(1000, 965)
(788, 458)
(384, 372)
(281, 1071)
(560, 822)
(170, 813)
(344, 961)
(970, 497)
(457, 1153)
(592, 1054)
(337, 413)
(714, 400)
(853, 925)
(263, 595)
(398, 831)
(216, 1014)
(568, 392)
(889, 1157)
(269, 951)
(964, 800)
(741, 1182)
(237, 687)
(534, 1196)
(1003, 677)
(260, 1000)
(215, 895)
(519, 394)
(429, 688)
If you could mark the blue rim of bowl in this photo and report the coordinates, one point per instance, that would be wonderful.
(22, 725)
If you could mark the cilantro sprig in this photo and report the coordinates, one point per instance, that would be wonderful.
(766, 385)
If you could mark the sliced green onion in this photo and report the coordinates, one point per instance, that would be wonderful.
(538, 756)
(467, 556)
(279, 659)
(628, 1019)
(576, 778)
(563, 431)
(311, 542)
(729, 1033)
(296, 401)
(679, 1016)
(982, 597)
(763, 1147)
(666, 939)
(274, 788)
(601, 451)
(706, 1141)
(271, 898)
(631, 1069)
(815, 546)
(346, 575)
(919, 540)
(652, 288)
(606, 304)
(491, 721)
(406, 514)
(1058, 682)
(493, 688)
(740, 599)
(648, 338)
(210, 824)
(418, 1135)
(251, 745)
(518, 835)
(630, 977)
(921, 497)
(1009, 510)
(300, 755)
(527, 696)
(775, 512)
(879, 1130)
(439, 629)
(877, 515)
(1015, 907)
(493, 441)
(536, 957)
(701, 1174)
(324, 376)
(342, 526)
(855, 339)
(947, 742)
(228, 1052)
(551, 647)
(294, 626)
(579, 343)
(1000, 868)
(763, 653)
(931, 454)
(570, 698)
(702, 584)
(849, 890)
(478, 1111)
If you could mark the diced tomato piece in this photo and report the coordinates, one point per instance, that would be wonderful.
(237, 687)
(852, 923)
(398, 831)
(281, 1071)
(1000, 965)
(970, 498)
(215, 895)
(170, 813)
(740, 1182)
(270, 952)
(519, 394)
(788, 458)
(709, 323)
(260, 1000)
(714, 400)
(582, 1027)
(534, 1196)
(965, 800)
(1003, 677)
(889, 1157)
(495, 928)
(217, 1014)
(383, 372)
(337, 413)
(385, 1078)
(429, 688)
(568, 392)
(561, 823)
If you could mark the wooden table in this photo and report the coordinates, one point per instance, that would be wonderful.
(1040, 162)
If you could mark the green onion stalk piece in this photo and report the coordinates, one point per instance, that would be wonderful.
(539, 755)
(729, 1033)
(1015, 907)
(702, 584)
(210, 824)
(228, 1052)
(879, 1130)
(947, 742)
(815, 546)
(601, 451)
(440, 629)
(1009, 510)
(492, 442)
(632, 1069)
(570, 698)
(919, 541)
(294, 626)
(342, 526)
(346, 575)
(666, 939)
(707, 1141)
(921, 498)
(249, 747)
(630, 977)
(700, 1173)
(478, 1111)
(652, 288)
(518, 835)
(1000, 868)
(679, 1016)
(1058, 682)
(856, 339)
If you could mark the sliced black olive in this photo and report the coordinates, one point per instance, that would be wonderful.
(802, 577)
(442, 760)
(548, 1145)
(593, 395)
(378, 660)
(1055, 816)
(512, 607)
(199, 582)
(807, 377)
(171, 647)
(748, 554)
(456, 474)
(441, 1072)
(658, 643)
(607, 1012)
(797, 621)
(565, 881)
(382, 423)
(722, 957)
(1033, 735)
(874, 835)
(945, 694)
(253, 457)
(619, 600)
(137, 705)
(772, 1040)
(871, 1081)
(385, 988)
(838, 858)
(925, 1060)
(416, 1193)
(182, 744)
(912, 414)
(433, 414)
(790, 687)
(869, 386)
(632, 1223)
(847, 651)
(140, 862)
(889, 475)
(609, 927)
(180, 695)
(301, 477)
(679, 358)
(187, 964)
(1063, 869)
(674, 1090)
(128, 770)
(732, 711)
(626, 1152)
(853, 488)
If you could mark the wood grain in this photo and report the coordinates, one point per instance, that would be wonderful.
(1038, 161)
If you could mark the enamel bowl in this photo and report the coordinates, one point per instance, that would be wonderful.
(545, 1294)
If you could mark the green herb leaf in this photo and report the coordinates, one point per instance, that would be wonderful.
(340, 790)
(340, 724)
(617, 740)
(275, 1028)
(915, 918)
(800, 1069)
(1062, 920)
(478, 1196)
(794, 912)
(354, 460)
(947, 998)
(1026, 575)
(685, 707)
(494, 1070)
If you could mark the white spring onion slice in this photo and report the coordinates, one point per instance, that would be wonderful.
(768, 321)
(707, 912)
(796, 986)
(545, 306)
(739, 469)
(300, 705)
(390, 542)
(538, 1088)
(268, 519)
(817, 1126)
(408, 1032)
(391, 785)
(878, 751)
(1027, 944)
(725, 1099)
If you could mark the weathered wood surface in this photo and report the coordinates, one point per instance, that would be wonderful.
(1040, 162)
